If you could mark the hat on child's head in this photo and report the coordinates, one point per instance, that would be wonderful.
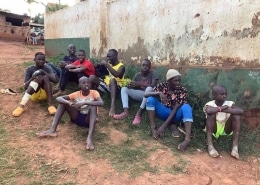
(172, 73)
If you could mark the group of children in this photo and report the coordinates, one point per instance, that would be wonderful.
(167, 100)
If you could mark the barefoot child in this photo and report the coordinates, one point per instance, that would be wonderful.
(223, 118)
(112, 82)
(37, 83)
(172, 108)
(142, 82)
(82, 109)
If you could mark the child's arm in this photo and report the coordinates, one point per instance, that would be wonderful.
(78, 69)
(70, 66)
(233, 110)
(147, 94)
(118, 74)
(64, 100)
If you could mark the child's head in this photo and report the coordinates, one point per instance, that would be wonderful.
(145, 66)
(112, 56)
(39, 59)
(84, 84)
(173, 78)
(81, 55)
(219, 93)
(71, 49)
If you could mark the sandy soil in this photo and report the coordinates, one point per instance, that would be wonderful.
(201, 169)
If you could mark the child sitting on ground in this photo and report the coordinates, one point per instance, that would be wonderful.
(172, 107)
(112, 82)
(37, 83)
(222, 118)
(79, 68)
(65, 75)
(142, 82)
(82, 109)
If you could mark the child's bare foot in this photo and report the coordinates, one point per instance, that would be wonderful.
(234, 152)
(154, 133)
(47, 133)
(111, 112)
(212, 151)
(90, 145)
(183, 145)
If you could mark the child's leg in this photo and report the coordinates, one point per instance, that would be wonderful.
(94, 81)
(124, 98)
(48, 89)
(113, 91)
(91, 119)
(32, 88)
(234, 124)
(154, 105)
(211, 128)
(60, 111)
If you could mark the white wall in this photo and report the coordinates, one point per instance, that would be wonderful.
(191, 32)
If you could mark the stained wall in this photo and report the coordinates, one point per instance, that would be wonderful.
(210, 42)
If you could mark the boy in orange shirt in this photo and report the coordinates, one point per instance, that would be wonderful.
(82, 109)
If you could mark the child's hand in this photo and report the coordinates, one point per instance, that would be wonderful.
(62, 64)
(104, 63)
(163, 98)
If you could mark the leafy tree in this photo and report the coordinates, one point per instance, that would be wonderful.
(39, 19)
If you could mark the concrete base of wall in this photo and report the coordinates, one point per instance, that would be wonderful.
(55, 47)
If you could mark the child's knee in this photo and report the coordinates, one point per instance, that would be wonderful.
(148, 89)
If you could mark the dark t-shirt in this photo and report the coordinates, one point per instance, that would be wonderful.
(69, 59)
(145, 80)
(31, 69)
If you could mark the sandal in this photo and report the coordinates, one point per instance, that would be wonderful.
(175, 132)
(52, 110)
(120, 116)
(18, 111)
(8, 91)
(137, 120)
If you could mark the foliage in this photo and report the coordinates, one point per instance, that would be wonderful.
(39, 19)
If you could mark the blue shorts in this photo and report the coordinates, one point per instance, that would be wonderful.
(184, 113)
(81, 120)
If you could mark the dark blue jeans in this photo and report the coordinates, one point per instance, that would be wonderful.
(54, 69)
(66, 76)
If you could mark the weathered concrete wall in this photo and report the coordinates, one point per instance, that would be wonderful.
(79, 21)
(210, 42)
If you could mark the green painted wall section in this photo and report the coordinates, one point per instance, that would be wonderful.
(243, 85)
(59, 46)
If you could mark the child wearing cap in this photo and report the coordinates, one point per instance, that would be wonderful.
(172, 107)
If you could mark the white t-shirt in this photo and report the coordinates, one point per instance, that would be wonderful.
(221, 117)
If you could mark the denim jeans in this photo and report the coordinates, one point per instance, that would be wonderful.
(184, 112)
(66, 75)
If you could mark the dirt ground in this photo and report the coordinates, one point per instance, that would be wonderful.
(201, 169)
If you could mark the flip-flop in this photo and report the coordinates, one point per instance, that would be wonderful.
(137, 120)
(18, 111)
(8, 91)
(52, 110)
